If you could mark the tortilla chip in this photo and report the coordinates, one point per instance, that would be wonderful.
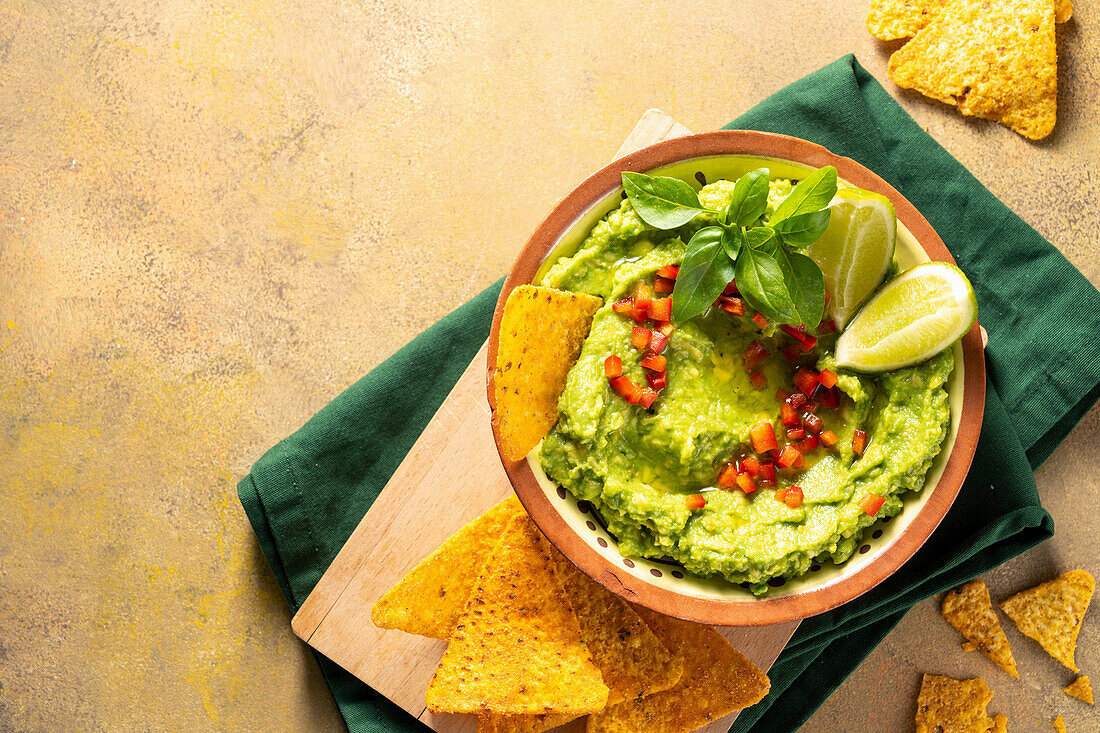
(1000, 723)
(428, 600)
(890, 20)
(521, 723)
(945, 705)
(1059, 724)
(970, 611)
(541, 334)
(1080, 688)
(1051, 613)
(993, 59)
(516, 648)
(717, 680)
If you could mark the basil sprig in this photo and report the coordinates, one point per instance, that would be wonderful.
(772, 275)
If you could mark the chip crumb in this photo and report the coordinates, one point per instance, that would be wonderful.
(946, 705)
(994, 59)
(1080, 688)
(969, 609)
(1052, 612)
(541, 334)
(1059, 724)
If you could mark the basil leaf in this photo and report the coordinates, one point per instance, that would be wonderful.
(750, 198)
(731, 241)
(761, 282)
(757, 237)
(665, 203)
(803, 229)
(812, 194)
(804, 282)
(704, 273)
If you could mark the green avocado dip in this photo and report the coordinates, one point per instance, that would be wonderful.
(688, 477)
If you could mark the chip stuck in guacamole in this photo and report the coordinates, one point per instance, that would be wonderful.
(705, 417)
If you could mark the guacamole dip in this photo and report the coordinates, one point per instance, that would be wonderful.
(693, 476)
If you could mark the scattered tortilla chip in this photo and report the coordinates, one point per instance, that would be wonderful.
(1051, 613)
(717, 680)
(970, 611)
(1081, 688)
(429, 599)
(890, 20)
(541, 334)
(516, 648)
(993, 59)
(1059, 724)
(947, 705)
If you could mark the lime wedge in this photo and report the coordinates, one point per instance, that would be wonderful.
(915, 316)
(855, 250)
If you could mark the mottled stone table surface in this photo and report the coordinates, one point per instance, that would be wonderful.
(215, 216)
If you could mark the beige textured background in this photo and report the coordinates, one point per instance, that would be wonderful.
(214, 216)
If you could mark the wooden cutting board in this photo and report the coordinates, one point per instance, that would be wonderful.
(451, 475)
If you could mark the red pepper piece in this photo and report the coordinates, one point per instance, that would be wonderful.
(825, 327)
(666, 328)
(657, 342)
(750, 465)
(733, 306)
(796, 433)
(639, 337)
(695, 501)
(760, 321)
(808, 444)
(791, 457)
(648, 397)
(763, 437)
(797, 400)
(781, 394)
(812, 422)
(808, 343)
(643, 296)
(831, 398)
(745, 483)
(661, 309)
(793, 497)
(612, 367)
(779, 494)
(795, 333)
(654, 362)
(754, 355)
(828, 438)
(806, 381)
(811, 406)
(626, 389)
(827, 378)
(657, 380)
(727, 479)
(871, 503)
(730, 289)
(859, 442)
(623, 307)
(767, 474)
(788, 415)
(640, 315)
(759, 381)
(663, 285)
(669, 271)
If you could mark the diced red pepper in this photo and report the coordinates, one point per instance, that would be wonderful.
(640, 315)
(827, 378)
(779, 494)
(669, 271)
(767, 474)
(648, 397)
(808, 444)
(774, 453)
(745, 483)
(657, 342)
(788, 415)
(791, 457)
(812, 422)
(859, 442)
(871, 503)
(666, 328)
(825, 327)
(759, 381)
(639, 337)
(797, 400)
(626, 389)
(733, 306)
(828, 438)
(795, 333)
(730, 289)
(781, 394)
(763, 437)
(623, 307)
(811, 406)
(661, 309)
(754, 355)
(727, 478)
(654, 362)
(750, 465)
(807, 344)
(695, 501)
(612, 367)
(806, 381)
(796, 433)
(831, 398)
(657, 380)
(760, 321)
(643, 296)
(791, 353)
(793, 497)
(663, 285)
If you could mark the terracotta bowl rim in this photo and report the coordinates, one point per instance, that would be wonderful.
(749, 611)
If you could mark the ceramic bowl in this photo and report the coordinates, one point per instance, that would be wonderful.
(575, 528)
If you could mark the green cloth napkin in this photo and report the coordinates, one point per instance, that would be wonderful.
(305, 496)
